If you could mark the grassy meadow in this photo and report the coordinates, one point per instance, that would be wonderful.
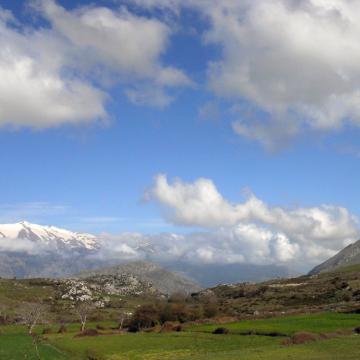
(195, 342)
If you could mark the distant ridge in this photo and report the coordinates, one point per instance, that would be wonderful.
(348, 256)
(165, 281)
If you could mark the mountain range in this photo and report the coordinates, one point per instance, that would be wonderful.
(31, 250)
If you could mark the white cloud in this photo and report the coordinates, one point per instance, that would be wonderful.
(309, 234)
(20, 245)
(147, 95)
(33, 90)
(129, 44)
(240, 244)
(62, 74)
(291, 56)
(295, 60)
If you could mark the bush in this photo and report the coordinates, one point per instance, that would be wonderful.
(133, 329)
(194, 313)
(4, 320)
(177, 297)
(169, 327)
(210, 310)
(177, 312)
(221, 330)
(47, 331)
(62, 329)
(146, 316)
(301, 338)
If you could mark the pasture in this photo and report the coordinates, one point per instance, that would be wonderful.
(195, 342)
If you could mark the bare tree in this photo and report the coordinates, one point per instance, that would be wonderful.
(83, 309)
(124, 316)
(31, 314)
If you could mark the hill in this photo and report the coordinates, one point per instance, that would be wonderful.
(331, 291)
(348, 256)
(165, 281)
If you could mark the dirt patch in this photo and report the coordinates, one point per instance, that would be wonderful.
(301, 338)
(307, 337)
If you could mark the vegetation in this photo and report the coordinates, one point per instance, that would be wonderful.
(196, 342)
(310, 317)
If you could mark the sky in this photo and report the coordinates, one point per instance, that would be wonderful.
(232, 124)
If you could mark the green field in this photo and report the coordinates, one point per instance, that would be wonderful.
(196, 342)
(288, 325)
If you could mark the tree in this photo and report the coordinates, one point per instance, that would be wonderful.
(146, 316)
(3, 315)
(31, 314)
(83, 309)
(124, 317)
(210, 310)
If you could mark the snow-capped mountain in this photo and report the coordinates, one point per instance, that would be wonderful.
(31, 250)
(48, 238)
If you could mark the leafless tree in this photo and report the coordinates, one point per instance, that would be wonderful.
(124, 316)
(83, 309)
(31, 314)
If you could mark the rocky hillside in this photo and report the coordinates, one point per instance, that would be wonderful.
(330, 291)
(165, 281)
(348, 256)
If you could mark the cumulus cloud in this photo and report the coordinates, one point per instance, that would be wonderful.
(59, 74)
(239, 244)
(33, 90)
(295, 60)
(308, 233)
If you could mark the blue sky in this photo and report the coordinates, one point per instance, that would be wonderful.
(91, 175)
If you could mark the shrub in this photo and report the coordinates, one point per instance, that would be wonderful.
(62, 329)
(146, 316)
(177, 297)
(194, 313)
(170, 326)
(178, 312)
(301, 338)
(133, 329)
(221, 330)
(177, 328)
(210, 310)
(47, 331)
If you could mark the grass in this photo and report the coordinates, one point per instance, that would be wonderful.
(345, 269)
(196, 342)
(288, 325)
(17, 345)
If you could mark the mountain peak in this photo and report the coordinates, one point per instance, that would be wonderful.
(50, 236)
